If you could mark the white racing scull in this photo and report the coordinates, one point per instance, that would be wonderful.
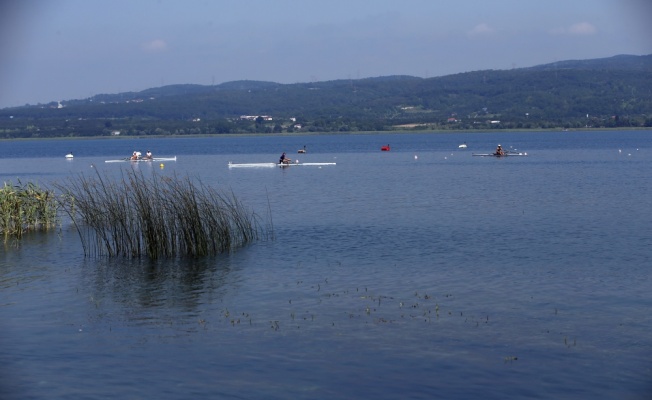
(272, 165)
(144, 159)
(507, 154)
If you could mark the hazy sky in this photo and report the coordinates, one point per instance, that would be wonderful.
(74, 49)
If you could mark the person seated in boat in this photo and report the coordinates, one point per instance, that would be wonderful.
(149, 155)
(134, 156)
(499, 151)
(284, 159)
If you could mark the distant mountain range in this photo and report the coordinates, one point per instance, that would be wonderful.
(606, 92)
(620, 62)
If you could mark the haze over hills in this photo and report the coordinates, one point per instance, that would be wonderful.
(607, 92)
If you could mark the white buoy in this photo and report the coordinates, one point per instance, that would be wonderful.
(415, 157)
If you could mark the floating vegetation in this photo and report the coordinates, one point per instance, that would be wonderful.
(25, 208)
(156, 217)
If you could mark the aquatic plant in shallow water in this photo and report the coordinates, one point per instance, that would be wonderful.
(134, 216)
(24, 208)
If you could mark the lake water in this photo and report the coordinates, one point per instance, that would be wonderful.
(421, 273)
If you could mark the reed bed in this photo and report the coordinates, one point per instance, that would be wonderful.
(157, 217)
(25, 208)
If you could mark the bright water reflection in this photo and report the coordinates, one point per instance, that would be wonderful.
(442, 276)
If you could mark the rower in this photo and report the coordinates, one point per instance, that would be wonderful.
(284, 159)
(148, 155)
(499, 151)
(134, 156)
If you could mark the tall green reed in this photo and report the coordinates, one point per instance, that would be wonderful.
(157, 217)
(25, 208)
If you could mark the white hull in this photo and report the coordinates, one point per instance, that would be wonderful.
(496, 155)
(155, 159)
(272, 165)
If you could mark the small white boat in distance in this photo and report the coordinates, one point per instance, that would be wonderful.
(69, 156)
(462, 146)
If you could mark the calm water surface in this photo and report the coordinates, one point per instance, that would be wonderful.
(423, 272)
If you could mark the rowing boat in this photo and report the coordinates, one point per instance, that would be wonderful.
(498, 155)
(308, 164)
(272, 165)
(144, 159)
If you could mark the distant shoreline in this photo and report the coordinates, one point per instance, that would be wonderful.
(298, 134)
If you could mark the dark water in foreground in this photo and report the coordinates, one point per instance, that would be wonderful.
(391, 276)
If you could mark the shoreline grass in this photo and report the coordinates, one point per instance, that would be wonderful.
(156, 217)
(26, 208)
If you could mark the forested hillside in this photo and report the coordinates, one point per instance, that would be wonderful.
(610, 92)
